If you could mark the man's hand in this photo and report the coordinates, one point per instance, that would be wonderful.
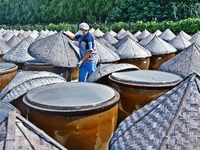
(79, 63)
(63, 32)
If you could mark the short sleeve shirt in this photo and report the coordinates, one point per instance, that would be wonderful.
(87, 43)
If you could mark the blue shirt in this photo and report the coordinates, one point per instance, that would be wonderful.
(87, 43)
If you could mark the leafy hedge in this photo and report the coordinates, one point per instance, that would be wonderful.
(190, 26)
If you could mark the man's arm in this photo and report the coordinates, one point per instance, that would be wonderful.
(84, 58)
(87, 55)
(71, 37)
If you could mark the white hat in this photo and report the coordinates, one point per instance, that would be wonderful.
(84, 26)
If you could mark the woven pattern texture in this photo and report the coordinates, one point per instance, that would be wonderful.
(19, 53)
(158, 46)
(24, 81)
(105, 54)
(18, 133)
(4, 48)
(167, 35)
(55, 49)
(185, 63)
(130, 49)
(106, 69)
(169, 122)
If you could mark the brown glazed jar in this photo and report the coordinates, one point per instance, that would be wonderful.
(7, 73)
(142, 63)
(138, 88)
(79, 115)
(70, 74)
(157, 60)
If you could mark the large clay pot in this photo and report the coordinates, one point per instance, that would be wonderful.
(1, 60)
(79, 115)
(157, 60)
(142, 63)
(70, 74)
(138, 88)
(18, 133)
(7, 73)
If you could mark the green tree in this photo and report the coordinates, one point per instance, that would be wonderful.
(154, 10)
(14, 12)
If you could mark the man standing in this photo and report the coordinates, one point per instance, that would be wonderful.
(88, 52)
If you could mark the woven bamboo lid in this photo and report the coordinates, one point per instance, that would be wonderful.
(18, 133)
(4, 48)
(136, 33)
(157, 32)
(33, 34)
(130, 49)
(120, 42)
(143, 34)
(196, 38)
(185, 63)
(167, 35)
(113, 33)
(106, 43)
(30, 39)
(13, 41)
(51, 33)
(91, 30)
(121, 36)
(1, 38)
(169, 122)
(146, 40)
(25, 33)
(185, 35)
(7, 35)
(97, 33)
(20, 36)
(180, 42)
(109, 38)
(43, 34)
(157, 46)
(55, 49)
(27, 80)
(122, 30)
(105, 54)
(19, 53)
(106, 69)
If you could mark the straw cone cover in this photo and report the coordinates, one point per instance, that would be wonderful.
(55, 49)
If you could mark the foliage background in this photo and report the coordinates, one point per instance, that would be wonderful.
(32, 12)
(107, 15)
